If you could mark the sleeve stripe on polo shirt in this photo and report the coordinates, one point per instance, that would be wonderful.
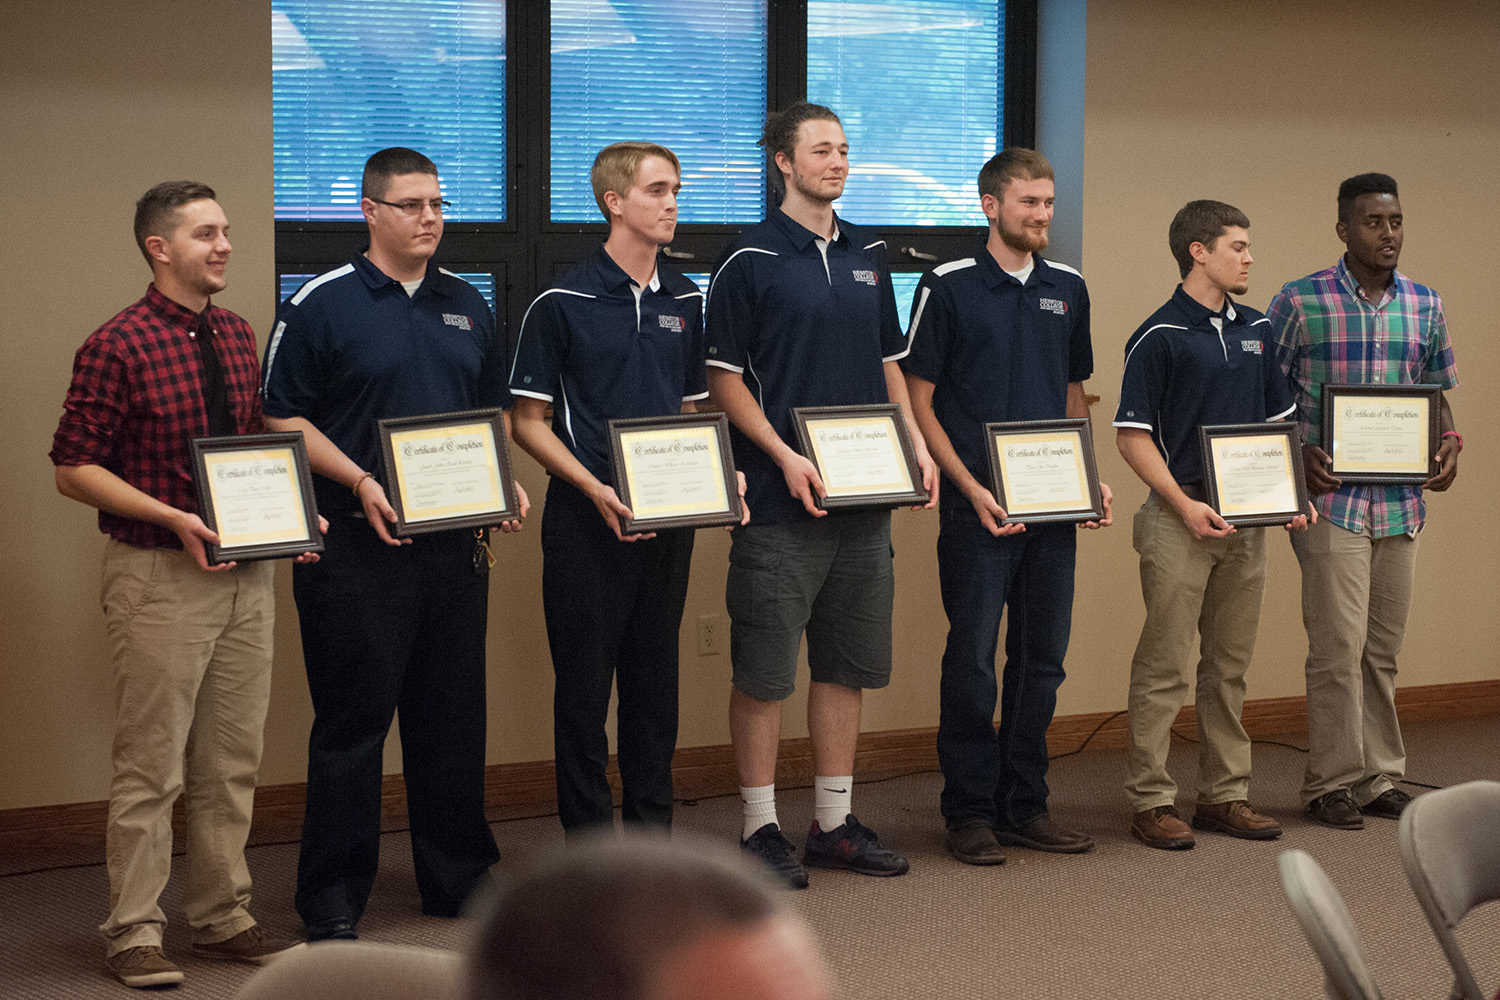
(1117, 423)
(265, 378)
(532, 395)
(954, 265)
(1283, 414)
(1138, 343)
(872, 246)
(1063, 267)
(303, 292)
(527, 315)
(689, 295)
(725, 266)
(738, 370)
(695, 397)
(916, 317)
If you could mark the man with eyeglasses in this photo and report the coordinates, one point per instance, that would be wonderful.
(394, 625)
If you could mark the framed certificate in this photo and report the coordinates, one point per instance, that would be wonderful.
(675, 471)
(1252, 473)
(1381, 433)
(1044, 470)
(255, 492)
(863, 454)
(447, 470)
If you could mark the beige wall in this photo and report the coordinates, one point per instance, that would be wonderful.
(1273, 110)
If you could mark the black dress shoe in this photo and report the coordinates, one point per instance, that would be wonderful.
(332, 929)
(1336, 809)
(1043, 833)
(1387, 805)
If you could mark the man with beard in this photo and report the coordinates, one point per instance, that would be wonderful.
(1200, 359)
(1360, 321)
(1000, 336)
(801, 312)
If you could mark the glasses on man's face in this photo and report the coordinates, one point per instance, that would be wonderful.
(414, 208)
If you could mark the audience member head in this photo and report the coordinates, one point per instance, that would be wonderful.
(643, 917)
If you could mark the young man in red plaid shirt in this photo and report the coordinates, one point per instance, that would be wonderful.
(191, 642)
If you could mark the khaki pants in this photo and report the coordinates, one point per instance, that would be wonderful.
(192, 660)
(1211, 587)
(1356, 593)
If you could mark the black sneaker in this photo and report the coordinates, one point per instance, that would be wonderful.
(852, 847)
(777, 854)
(1336, 809)
(1387, 805)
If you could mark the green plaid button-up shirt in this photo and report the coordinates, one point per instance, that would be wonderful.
(1326, 330)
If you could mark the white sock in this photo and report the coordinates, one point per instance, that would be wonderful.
(831, 799)
(760, 808)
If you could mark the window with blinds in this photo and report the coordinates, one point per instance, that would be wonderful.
(349, 79)
(686, 74)
(918, 84)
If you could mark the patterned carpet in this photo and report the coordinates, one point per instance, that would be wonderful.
(1121, 921)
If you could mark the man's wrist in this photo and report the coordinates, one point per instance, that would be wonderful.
(1456, 436)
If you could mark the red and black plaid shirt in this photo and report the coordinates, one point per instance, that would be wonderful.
(136, 403)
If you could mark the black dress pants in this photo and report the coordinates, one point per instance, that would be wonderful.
(389, 630)
(613, 613)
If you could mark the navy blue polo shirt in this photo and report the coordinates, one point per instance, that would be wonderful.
(801, 332)
(594, 351)
(996, 349)
(1182, 372)
(351, 347)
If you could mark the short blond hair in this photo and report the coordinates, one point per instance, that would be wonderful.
(617, 164)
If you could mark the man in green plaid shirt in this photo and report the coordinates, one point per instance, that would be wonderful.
(1360, 321)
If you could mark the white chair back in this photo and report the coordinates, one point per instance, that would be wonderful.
(359, 970)
(1328, 927)
(1450, 848)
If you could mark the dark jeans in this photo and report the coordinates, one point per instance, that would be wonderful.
(388, 629)
(1000, 779)
(614, 611)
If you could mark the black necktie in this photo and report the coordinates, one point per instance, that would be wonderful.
(215, 394)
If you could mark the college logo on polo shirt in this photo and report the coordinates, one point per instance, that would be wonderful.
(669, 322)
(460, 321)
(1055, 306)
(1252, 346)
(866, 277)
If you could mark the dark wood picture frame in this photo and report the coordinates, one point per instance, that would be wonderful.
(206, 448)
(1210, 433)
(1330, 394)
(628, 491)
(388, 428)
(802, 416)
(1079, 426)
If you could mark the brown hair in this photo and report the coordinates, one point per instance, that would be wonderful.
(1202, 221)
(599, 918)
(1014, 163)
(388, 163)
(156, 212)
(780, 136)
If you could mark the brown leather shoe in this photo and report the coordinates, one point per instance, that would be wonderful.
(974, 843)
(1236, 819)
(1162, 828)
